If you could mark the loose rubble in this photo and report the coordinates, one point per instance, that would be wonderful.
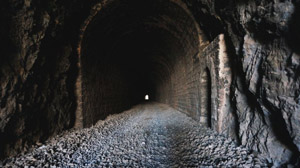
(150, 135)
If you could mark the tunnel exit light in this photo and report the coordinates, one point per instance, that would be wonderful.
(147, 97)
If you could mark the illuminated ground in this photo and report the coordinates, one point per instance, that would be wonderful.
(149, 135)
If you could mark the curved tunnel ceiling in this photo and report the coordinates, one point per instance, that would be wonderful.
(157, 31)
(137, 45)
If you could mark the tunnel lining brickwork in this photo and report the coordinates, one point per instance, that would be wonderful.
(213, 58)
(167, 65)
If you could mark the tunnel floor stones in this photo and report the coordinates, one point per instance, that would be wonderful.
(148, 135)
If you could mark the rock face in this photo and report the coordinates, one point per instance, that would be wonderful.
(265, 65)
(233, 65)
(38, 70)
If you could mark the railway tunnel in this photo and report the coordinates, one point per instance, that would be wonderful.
(140, 48)
(230, 68)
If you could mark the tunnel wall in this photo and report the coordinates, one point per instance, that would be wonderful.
(106, 89)
(105, 92)
(186, 88)
(179, 88)
(38, 69)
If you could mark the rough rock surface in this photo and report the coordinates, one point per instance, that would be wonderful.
(150, 135)
(261, 42)
(36, 74)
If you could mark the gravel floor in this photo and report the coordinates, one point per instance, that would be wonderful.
(150, 135)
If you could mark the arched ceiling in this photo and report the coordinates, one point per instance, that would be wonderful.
(145, 38)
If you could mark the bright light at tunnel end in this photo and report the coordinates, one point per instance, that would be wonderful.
(147, 97)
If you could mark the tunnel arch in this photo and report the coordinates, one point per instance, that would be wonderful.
(168, 23)
(216, 59)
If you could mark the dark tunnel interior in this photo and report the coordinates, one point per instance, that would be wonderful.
(130, 50)
(230, 67)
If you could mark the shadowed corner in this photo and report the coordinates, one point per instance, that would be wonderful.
(293, 33)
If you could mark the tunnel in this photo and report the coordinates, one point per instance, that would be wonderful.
(130, 49)
(151, 83)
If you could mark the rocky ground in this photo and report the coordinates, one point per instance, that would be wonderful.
(149, 135)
